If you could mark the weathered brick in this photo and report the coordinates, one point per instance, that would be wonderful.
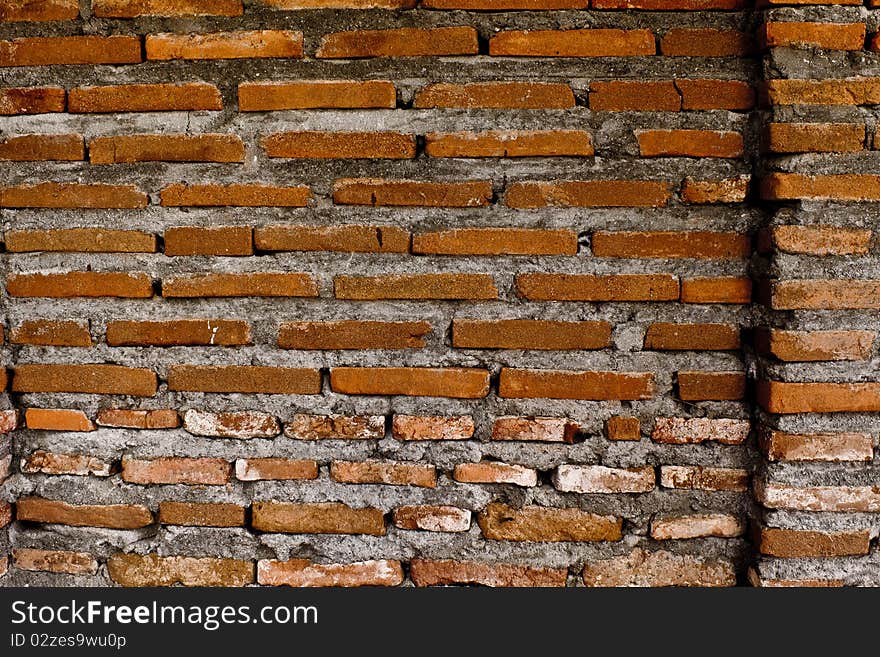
(634, 96)
(244, 284)
(316, 94)
(211, 240)
(153, 570)
(849, 446)
(5, 514)
(787, 398)
(815, 137)
(530, 334)
(143, 98)
(350, 238)
(705, 42)
(671, 244)
(688, 431)
(495, 95)
(53, 333)
(131, 285)
(112, 516)
(201, 514)
(819, 294)
(72, 195)
(94, 379)
(55, 561)
(179, 332)
(818, 498)
(8, 421)
(701, 386)
(602, 479)
(431, 572)
(623, 428)
(694, 477)
(303, 573)
(50, 463)
(244, 378)
(819, 240)
(127, 149)
(335, 427)
(412, 193)
(496, 241)
(690, 143)
(799, 543)
(84, 240)
(728, 190)
(671, 5)
(137, 419)
(455, 382)
(798, 34)
(833, 91)
(384, 472)
(432, 518)
(432, 427)
(800, 346)
(237, 195)
(353, 334)
(666, 336)
(244, 44)
(137, 8)
(401, 42)
(231, 424)
(659, 568)
(40, 148)
(541, 286)
(720, 525)
(275, 469)
(176, 470)
(715, 94)
(762, 582)
(17, 11)
(588, 194)
(45, 51)
(340, 145)
(726, 289)
(573, 43)
(322, 518)
(545, 524)
(57, 419)
(32, 100)
(510, 143)
(563, 384)
(495, 472)
(505, 5)
(832, 187)
(416, 287)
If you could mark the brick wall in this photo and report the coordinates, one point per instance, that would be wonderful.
(345, 292)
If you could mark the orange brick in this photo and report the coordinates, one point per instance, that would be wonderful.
(343, 239)
(690, 143)
(18, 11)
(416, 286)
(335, 427)
(705, 42)
(658, 568)
(52, 333)
(166, 148)
(322, 518)
(57, 419)
(201, 514)
(384, 472)
(716, 290)
(792, 543)
(145, 98)
(303, 573)
(150, 570)
(573, 43)
(401, 42)
(136, 419)
(496, 241)
(176, 470)
(530, 334)
(246, 284)
(505, 5)
(584, 287)
(563, 384)
(316, 94)
(179, 332)
(510, 143)
(623, 428)
(275, 469)
(699, 478)
(810, 346)
(113, 516)
(781, 446)
(816, 294)
(828, 36)
(40, 148)
(715, 94)
(55, 561)
(353, 334)
(728, 190)
(787, 398)
(634, 96)
(588, 194)
(131, 285)
(425, 572)
(432, 427)
(45, 51)
(689, 431)
(537, 523)
(701, 386)
(244, 44)
(340, 145)
(32, 100)
(671, 244)
(815, 137)
(456, 382)
(833, 187)
(137, 8)
(72, 195)
(432, 518)
(244, 378)
(237, 195)
(83, 240)
(692, 337)
(379, 192)
(671, 5)
(492, 472)
(93, 379)
(495, 95)
(213, 240)
(836, 91)
(821, 240)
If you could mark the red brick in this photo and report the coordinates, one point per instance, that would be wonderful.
(718, 525)
(562, 384)
(530, 334)
(495, 472)
(716, 290)
(602, 479)
(786, 398)
(798, 543)
(811, 346)
(436, 427)
(585, 287)
(781, 446)
(353, 335)
(401, 42)
(818, 498)
(715, 94)
(236, 195)
(412, 193)
(340, 145)
(634, 96)
(92, 379)
(55, 561)
(53, 333)
(32, 100)
(127, 149)
(113, 516)
(275, 469)
(690, 143)
(244, 44)
(57, 419)
(303, 573)
(588, 194)
(815, 137)
(136, 8)
(728, 190)
(131, 285)
(659, 568)
(692, 337)
(510, 143)
(546, 524)
(180, 332)
(144, 98)
(701, 386)
(45, 51)
(425, 572)
(244, 378)
(686, 431)
(335, 427)
(213, 240)
(72, 195)
(671, 244)
(694, 477)
(82, 465)
(201, 514)
(323, 518)
(623, 428)
(432, 518)
(344, 239)
(705, 42)
(231, 424)
(316, 94)
(455, 382)
(573, 43)
(814, 294)
(83, 240)
(137, 419)
(495, 95)
(133, 570)
(416, 287)
(384, 472)
(176, 470)
(41, 148)
(245, 284)
(828, 36)
(15, 11)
